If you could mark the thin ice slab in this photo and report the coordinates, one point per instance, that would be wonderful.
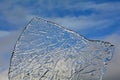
(48, 51)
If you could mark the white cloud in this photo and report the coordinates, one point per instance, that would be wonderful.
(104, 14)
(105, 7)
(114, 66)
(82, 22)
(3, 33)
(7, 43)
(4, 75)
(13, 13)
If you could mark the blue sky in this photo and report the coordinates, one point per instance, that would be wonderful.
(102, 15)
(94, 19)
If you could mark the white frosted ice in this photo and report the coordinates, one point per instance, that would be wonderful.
(48, 51)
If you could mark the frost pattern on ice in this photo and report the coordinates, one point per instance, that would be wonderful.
(48, 51)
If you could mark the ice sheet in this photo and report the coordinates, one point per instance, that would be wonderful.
(48, 51)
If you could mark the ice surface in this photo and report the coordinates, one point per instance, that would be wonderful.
(48, 51)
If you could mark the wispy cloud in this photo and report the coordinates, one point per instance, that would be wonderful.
(104, 14)
(78, 14)
(83, 22)
(16, 16)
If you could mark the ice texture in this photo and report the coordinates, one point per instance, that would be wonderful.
(48, 51)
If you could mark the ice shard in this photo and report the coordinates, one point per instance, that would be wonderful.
(48, 51)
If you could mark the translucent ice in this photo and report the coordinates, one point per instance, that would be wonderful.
(48, 51)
